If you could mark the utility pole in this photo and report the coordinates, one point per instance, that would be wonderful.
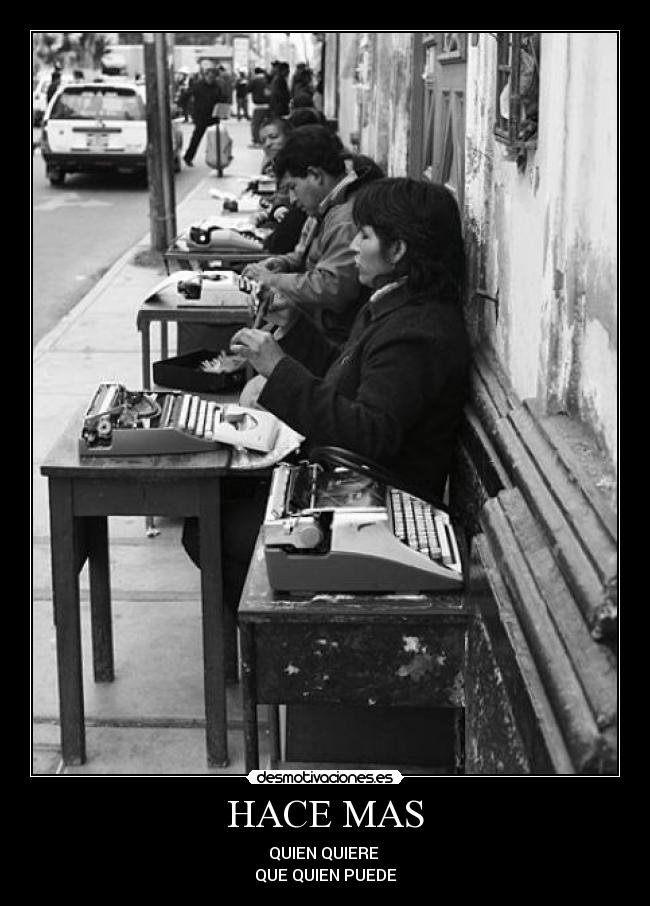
(162, 195)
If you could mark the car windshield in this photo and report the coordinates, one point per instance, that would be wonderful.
(87, 103)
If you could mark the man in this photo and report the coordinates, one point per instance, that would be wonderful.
(319, 276)
(205, 94)
(54, 85)
(279, 97)
(242, 89)
(260, 100)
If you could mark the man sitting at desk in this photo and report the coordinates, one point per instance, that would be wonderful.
(319, 276)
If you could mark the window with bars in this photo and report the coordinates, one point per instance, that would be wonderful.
(517, 90)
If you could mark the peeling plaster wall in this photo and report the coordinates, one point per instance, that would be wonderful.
(546, 238)
(379, 93)
(503, 230)
(580, 238)
(350, 94)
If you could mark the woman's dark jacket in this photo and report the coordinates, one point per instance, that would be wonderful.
(393, 393)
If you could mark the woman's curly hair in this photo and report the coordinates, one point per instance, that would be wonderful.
(426, 217)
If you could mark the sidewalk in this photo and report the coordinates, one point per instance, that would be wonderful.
(150, 720)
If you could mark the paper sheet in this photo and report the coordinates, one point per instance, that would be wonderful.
(287, 441)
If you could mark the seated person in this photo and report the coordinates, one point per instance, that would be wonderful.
(306, 116)
(284, 218)
(394, 393)
(273, 130)
(318, 276)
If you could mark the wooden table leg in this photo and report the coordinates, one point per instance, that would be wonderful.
(65, 592)
(249, 696)
(145, 340)
(274, 734)
(164, 340)
(459, 741)
(146, 385)
(100, 598)
(213, 628)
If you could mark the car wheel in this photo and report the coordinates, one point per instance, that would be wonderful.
(56, 176)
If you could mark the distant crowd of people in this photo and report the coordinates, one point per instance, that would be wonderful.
(254, 98)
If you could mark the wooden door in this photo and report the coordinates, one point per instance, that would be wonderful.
(438, 116)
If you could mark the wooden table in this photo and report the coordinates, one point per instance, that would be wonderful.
(84, 491)
(166, 312)
(404, 650)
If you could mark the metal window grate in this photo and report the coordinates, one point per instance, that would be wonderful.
(517, 89)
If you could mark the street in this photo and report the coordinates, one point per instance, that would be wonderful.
(82, 228)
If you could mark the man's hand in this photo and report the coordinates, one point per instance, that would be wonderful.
(270, 265)
(258, 347)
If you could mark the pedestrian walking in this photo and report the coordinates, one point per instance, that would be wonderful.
(260, 100)
(242, 90)
(205, 94)
(55, 83)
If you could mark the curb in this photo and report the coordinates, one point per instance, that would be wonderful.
(46, 342)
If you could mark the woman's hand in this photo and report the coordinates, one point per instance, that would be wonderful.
(258, 347)
(280, 213)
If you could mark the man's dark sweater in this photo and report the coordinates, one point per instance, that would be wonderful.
(205, 96)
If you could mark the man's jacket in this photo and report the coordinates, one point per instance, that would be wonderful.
(323, 278)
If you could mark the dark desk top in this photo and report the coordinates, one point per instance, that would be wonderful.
(259, 603)
(64, 460)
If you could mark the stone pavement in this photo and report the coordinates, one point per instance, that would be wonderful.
(150, 720)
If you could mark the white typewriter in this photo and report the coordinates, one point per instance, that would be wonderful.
(210, 234)
(202, 289)
(121, 422)
(339, 529)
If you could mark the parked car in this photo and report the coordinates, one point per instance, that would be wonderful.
(94, 126)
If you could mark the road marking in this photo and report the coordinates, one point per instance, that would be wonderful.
(71, 200)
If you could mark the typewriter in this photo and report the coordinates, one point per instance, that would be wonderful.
(210, 235)
(121, 422)
(202, 289)
(335, 528)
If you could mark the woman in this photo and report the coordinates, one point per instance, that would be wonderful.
(279, 214)
(394, 392)
(273, 131)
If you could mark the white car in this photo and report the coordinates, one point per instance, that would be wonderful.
(94, 126)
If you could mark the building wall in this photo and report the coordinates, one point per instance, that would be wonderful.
(545, 239)
(375, 73)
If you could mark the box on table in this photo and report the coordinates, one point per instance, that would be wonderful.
(183, 372)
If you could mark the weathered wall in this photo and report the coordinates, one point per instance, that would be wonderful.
(545, 238)
(350, 90)
(374, 91)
